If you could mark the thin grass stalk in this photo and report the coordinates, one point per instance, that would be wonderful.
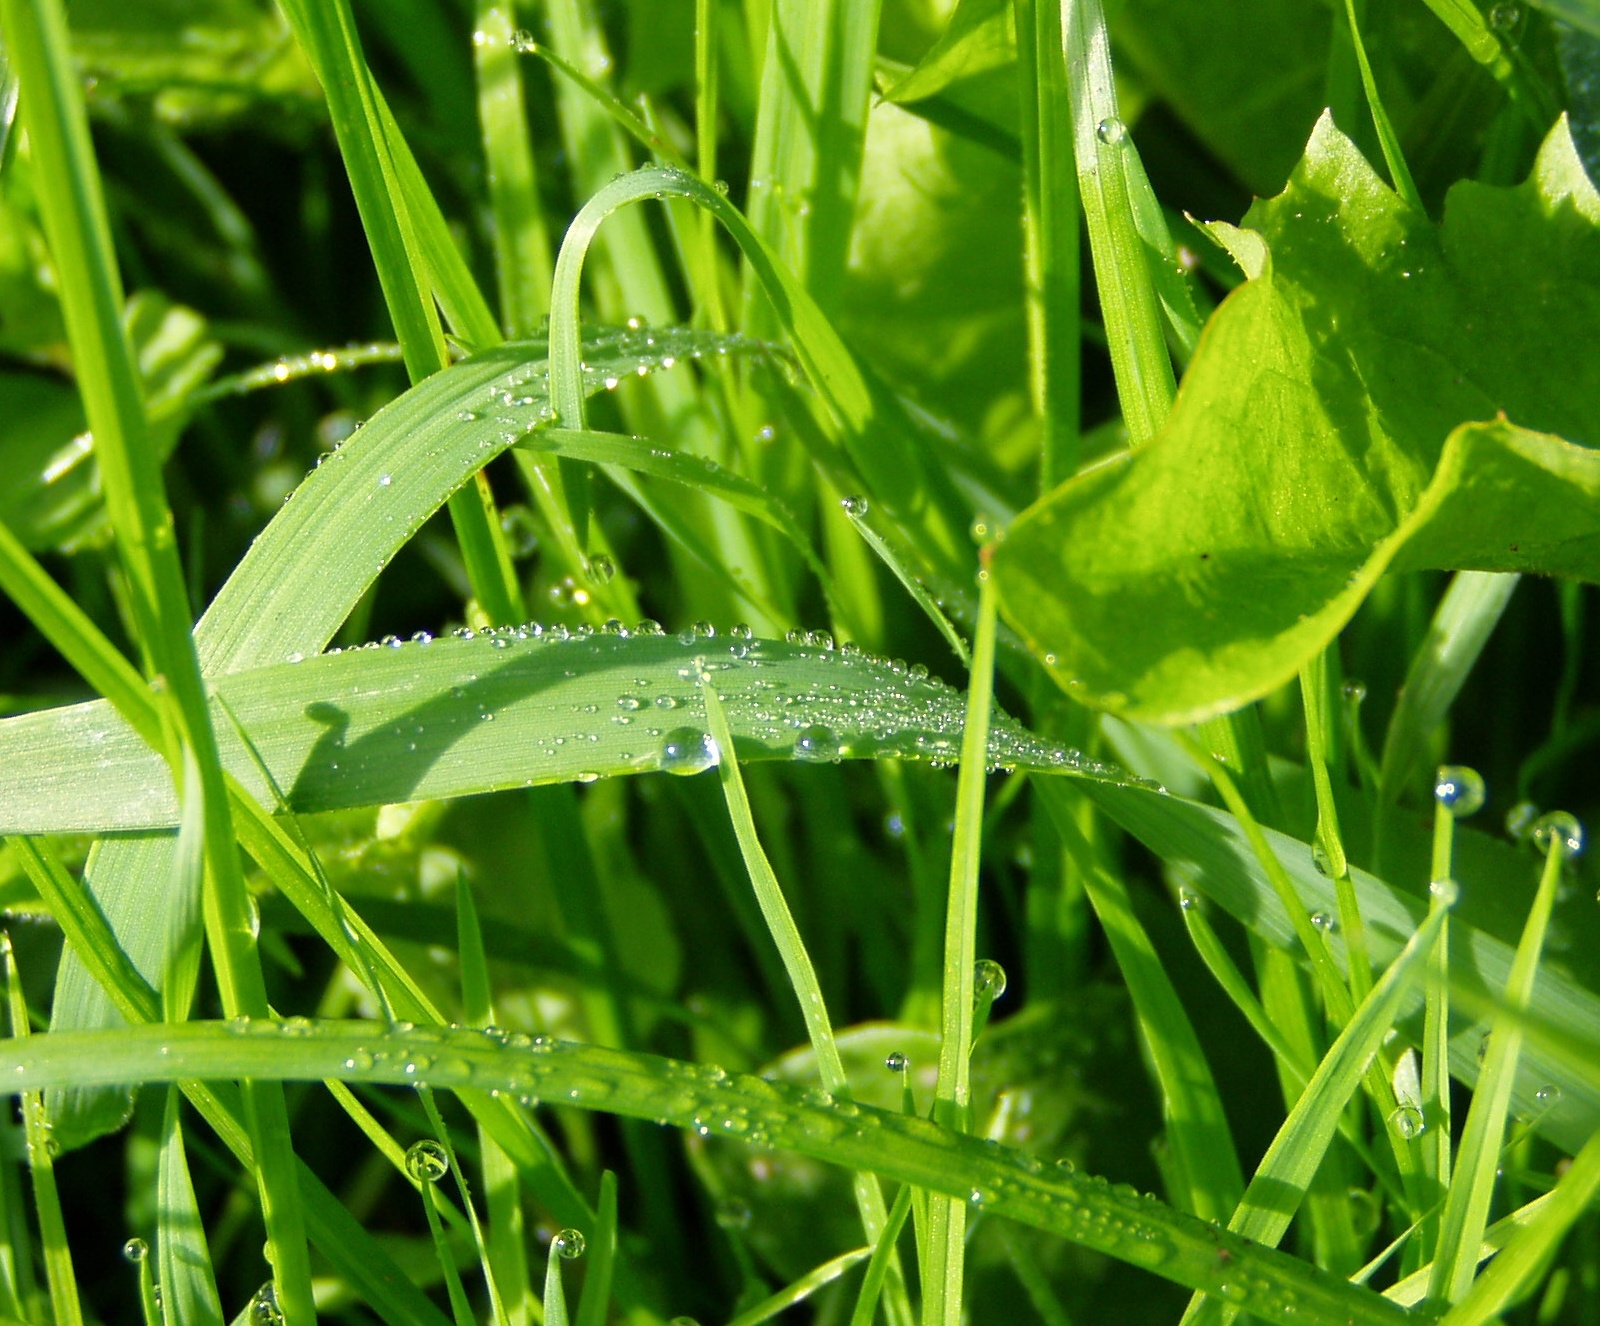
(1128, 300)
(1466, 1210)
(944, 1267)
(797, 963)
(1050, 232)
(59, 1274)
(73, 210)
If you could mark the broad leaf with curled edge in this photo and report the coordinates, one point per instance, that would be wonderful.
(454, 717)
(1382, 392)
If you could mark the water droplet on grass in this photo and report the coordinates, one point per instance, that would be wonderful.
(1111, 131)
(988, 979)
(1561, 830)
(135, 1250)
(569, 1244)
(1520, 820)
(855, 505)
(427, 1161)
(687, 750)
(1459, 790)
(1407, 1121)
(816, 743)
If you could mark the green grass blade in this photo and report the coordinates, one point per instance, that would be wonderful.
(944, 1262)
(1461, 626)
(1107, 183)
(1388, 140)
(403, 722)
(1140, 1230)
(800, 1290)
(1526, 1253)
(882, 1255)
(786, 938)
(1197, 1128)
(1466, 1210)
(73, 210)
(521, 243)
(893, 470)
(857, 508)
(188, 1283)
(1292, 1160)
(1050, 229)
(555, 1297)
(63, 1281)
(1224, 866)
(594, 1305)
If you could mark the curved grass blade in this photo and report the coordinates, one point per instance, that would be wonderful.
(345, 523)
(801, 1289)
(1086, 1210)
(188, 1283)
(454, 717)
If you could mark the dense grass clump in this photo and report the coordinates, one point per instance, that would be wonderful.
(701, 661)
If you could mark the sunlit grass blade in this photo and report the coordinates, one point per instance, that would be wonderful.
(639, 455)
(791, 948)
(894, 472)
(944, 1262)
(1050, 230)
(878, 1264)
(857, 508)
(1526, 1253)
(1388, 140)
(1292, 1160)
(1461, 626)
(522, 243)
(63, 1281)
(459, 716)
(1197, 1127)
(594, 1305)
(188, 1282)
(800, 1290)
(1466, 1210)
(72, 208)
(1225, 867)
(1144, 1232)
(1128, 301)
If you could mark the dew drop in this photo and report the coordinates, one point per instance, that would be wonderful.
(1459, 790)
(816, 743)
(1447, 891)
(427, 1161)
(135, 1250)
(601, 569)
(1407, 1121)
(988, 979)
(1560, 830)
(569, 1244)
(1319, 859)
(1111, 131)
(855, 506)
(1520, 820)
(1505, 17)
(896, 1062)
(687, 750)
(1547, 1097)
(1324, 922)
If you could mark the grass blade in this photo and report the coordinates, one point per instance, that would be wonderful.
(188, 1283)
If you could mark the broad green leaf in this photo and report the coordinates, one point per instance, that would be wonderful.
(1324, 434)
(980, 36)
(416, 721)
(709, 1100)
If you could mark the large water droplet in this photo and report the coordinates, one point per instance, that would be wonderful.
(687, 750)
(569, 1244)
(1407, 1121)
(988, 980)
(1111, 130)
(135, 1250)
(427, 1161)
(1459, 790)
(1505, 17)
(816, 743)
(1520, 820)
(855, 505)
(601, 569)
(1560, 830)
(896, 1062)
